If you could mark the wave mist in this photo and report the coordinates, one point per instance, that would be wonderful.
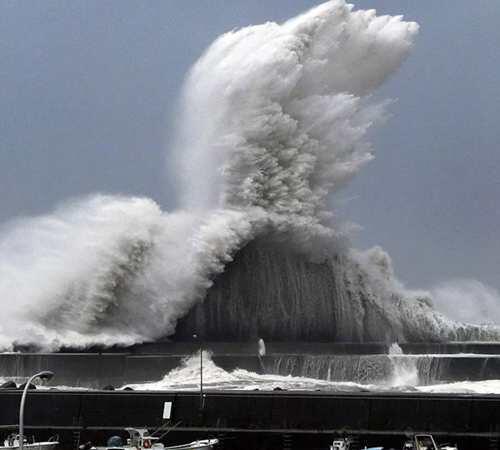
(273, 120)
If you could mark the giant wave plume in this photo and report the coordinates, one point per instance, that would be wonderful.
(273, 120)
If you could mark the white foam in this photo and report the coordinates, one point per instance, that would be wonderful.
(464, 387)
(274, 118)
(187, 378)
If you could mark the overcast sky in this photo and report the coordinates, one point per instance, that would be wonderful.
(88, 88)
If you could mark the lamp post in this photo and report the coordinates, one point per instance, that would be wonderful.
(195, 336)
(45, 375)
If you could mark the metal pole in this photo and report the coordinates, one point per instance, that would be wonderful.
(201, 375)
(21, 412)
(46, 375)
(195, 336)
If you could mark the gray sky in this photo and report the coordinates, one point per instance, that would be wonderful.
(87, 89)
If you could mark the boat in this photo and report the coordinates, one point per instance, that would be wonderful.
(12, 442)
(140, 439)
(341, 444)
(346, 443)
(426, 442)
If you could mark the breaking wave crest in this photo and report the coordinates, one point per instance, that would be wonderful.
(276, 116)
(186, 377)
(274, 119)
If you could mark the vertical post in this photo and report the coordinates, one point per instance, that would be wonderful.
(195, 336)
(21, 415)
(201, 375)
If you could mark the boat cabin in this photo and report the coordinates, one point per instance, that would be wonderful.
(341, 444)
(425, 442)
(140, 438)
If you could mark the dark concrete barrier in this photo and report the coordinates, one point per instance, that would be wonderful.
(334, 348)
(96, 370)
(258, 420)
(491, 348)
(307, 412)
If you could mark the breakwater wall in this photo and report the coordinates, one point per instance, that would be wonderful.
(367, 369)
(95, 371)
(295, 347)
(337, 362)
(310, 416)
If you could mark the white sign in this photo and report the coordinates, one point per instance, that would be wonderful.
(167, 410)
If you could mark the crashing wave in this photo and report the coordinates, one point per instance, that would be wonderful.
(274, 120)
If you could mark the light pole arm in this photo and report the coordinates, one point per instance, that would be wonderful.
(21, 411)
(45, 375)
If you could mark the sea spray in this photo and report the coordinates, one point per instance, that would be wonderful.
(276, 116)
(467, 300)
(108, 270)
(274, 119)
(187, 377)
(405, 372)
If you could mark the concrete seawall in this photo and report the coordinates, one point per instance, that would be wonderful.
(314, 416)
(152, 362)
(302, 347)
(95, 371)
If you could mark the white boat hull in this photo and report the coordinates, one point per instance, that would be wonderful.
(33, 446)
(206, 444)
(196, 445)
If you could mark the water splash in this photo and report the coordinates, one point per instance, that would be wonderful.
(468, 301)
(274, 118)
(405, 371)
(187, 376)
(109, 270)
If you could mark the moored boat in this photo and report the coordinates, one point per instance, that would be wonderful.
(341, 444)
(140, 439)
(426, 442)
(12, 443)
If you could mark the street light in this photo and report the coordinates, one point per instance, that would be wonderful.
(45, 375)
